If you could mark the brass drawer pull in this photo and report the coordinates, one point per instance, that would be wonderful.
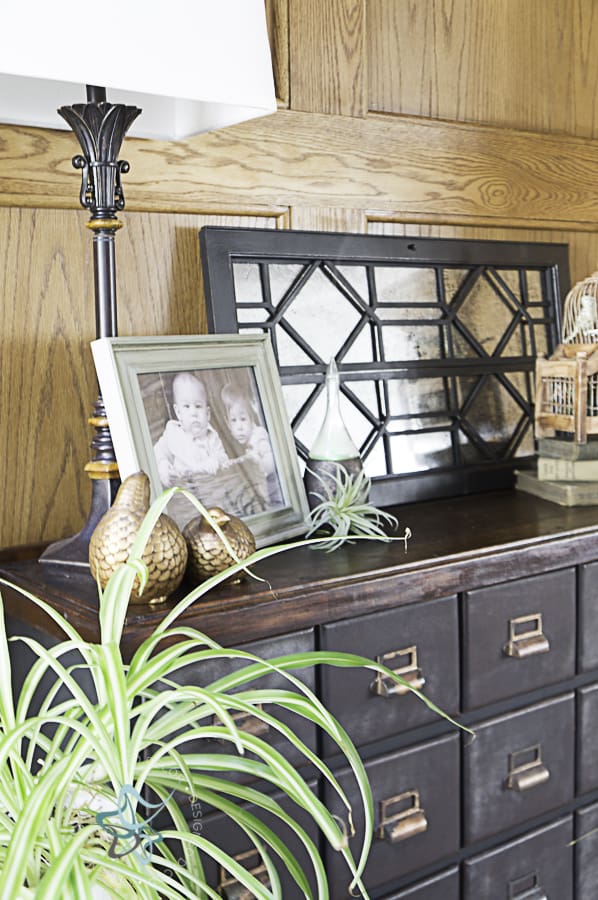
(229, 887)
(246, 722)
(526, 769)
(382, 686)
(401, 817)
(526, 637)
(526, 887)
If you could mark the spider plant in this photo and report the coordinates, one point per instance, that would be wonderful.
(75, 768)
(344, 509)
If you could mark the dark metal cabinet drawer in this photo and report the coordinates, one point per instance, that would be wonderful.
(416, 813)
(518, 766)
(444, 886)
(420, 641)
(588, 617)
(587, 737)
(219, 829)
(586, 853)
(538, 866)
(299, 642)
(519, 636)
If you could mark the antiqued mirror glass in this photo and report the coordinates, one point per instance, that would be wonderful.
(435, 341)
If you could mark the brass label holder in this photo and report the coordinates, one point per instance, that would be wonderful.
(526, 887)
(526, 637)
(246, 722)
(231, 889)
(526, 769)
(410, 671)
(401, 817)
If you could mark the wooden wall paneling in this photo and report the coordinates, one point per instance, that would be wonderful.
(160, 289)
(205, 175)
(327, 56)
(277, 15)
(158, 273)
(46, 323)
(523, 65)
(583, 253)
(328, 218)
(389, 163)
(583, 245)
(36, 169)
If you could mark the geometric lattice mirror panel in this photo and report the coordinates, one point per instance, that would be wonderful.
(435, 341)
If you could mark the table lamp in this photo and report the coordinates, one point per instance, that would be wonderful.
(192, 65)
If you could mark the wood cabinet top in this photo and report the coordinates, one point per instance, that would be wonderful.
(457, 544)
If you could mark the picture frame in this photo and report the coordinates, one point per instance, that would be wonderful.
(205, 412)
(435, 341)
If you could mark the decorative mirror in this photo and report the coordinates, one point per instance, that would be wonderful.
(435, 341)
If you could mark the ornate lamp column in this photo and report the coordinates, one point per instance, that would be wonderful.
(100, 128)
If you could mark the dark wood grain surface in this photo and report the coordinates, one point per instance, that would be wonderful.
(457, 544)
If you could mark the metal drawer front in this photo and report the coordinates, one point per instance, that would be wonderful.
(444, 886)
(587, 742)
(416, 809)
(219, 829)
(419, 642)
(586, 853)
(537, 866)
(518, 766)
(519, 636)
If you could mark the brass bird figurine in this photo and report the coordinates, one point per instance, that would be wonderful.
(165, 553)
(207, 553)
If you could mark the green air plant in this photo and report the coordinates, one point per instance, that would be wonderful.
(344, 510)
(76, 766)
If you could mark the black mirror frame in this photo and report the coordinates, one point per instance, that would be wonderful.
(222, 247)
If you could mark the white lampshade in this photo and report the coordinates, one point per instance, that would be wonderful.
(191, 65)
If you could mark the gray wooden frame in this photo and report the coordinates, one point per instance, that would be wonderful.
(120, 362)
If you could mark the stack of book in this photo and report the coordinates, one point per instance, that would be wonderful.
(567, 473)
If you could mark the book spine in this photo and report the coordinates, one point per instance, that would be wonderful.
(567, 469)
(561, 449)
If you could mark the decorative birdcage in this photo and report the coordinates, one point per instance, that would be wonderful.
(567, 383)
(567, 393)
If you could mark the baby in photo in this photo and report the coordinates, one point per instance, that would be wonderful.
(189, 445)
(252, 438)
